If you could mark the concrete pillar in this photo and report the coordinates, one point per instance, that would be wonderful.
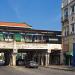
(61, 58)
(39, 59)
(14, 53)
(14, 59)
(47, 60)
(42, 38)
(42, 60)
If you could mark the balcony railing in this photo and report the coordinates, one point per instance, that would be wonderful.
(66, 2)
(65, 19)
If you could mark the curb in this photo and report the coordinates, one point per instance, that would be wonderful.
(65, 69)
(57, 68)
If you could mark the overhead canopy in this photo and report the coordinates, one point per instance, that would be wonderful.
(69, 53)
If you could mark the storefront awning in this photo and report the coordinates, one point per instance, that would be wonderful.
(69, 53)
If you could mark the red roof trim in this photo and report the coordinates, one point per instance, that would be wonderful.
(14, 24)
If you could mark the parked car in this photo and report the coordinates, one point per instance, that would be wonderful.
(31, 64)
(20, 62)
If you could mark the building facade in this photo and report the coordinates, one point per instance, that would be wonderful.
(43, 46)
(68, 31)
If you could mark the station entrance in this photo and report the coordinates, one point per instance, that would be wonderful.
(5, 56)
(38, 55)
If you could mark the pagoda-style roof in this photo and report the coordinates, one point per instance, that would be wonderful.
(25, 28)
(14, 24)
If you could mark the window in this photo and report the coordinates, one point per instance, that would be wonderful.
(67, 30)
(28, 37)
(72, 28)
(66, 12)
(22, 37)
(17, 37)
(73, 8)
(1, 36)
(5, 35)
(8, 36)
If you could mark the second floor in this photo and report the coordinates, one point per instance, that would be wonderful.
(18, 32)
(29, 37)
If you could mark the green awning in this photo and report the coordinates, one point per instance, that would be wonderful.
(17, 37)
(69, 53)
(1, 36)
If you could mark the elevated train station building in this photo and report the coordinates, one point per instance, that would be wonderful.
(43, 46)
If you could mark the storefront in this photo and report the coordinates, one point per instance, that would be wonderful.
(68, 58)
(55, 57)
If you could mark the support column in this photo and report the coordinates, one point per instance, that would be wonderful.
(39, 59)
(47, 60)
(14, 53)
(61, 58)
(42, 60)
(42, 38)
(13, 59)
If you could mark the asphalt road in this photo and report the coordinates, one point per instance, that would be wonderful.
(4, 70)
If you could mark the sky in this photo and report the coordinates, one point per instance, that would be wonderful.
(40, 14)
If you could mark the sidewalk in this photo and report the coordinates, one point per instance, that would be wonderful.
(62, 67)
(56, 67)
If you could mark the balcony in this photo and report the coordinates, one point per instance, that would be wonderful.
(65, 19)
(69, 1)
(66, 2)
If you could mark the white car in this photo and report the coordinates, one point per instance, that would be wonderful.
(2, 62)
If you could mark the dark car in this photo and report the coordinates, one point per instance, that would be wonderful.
(31, 64)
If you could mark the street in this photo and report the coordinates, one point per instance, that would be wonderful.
(5, 70)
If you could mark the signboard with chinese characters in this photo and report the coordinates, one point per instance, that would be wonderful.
(32, 46)
(5, 45)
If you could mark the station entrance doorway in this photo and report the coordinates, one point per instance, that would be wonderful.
(37, 55)
(5, 56)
